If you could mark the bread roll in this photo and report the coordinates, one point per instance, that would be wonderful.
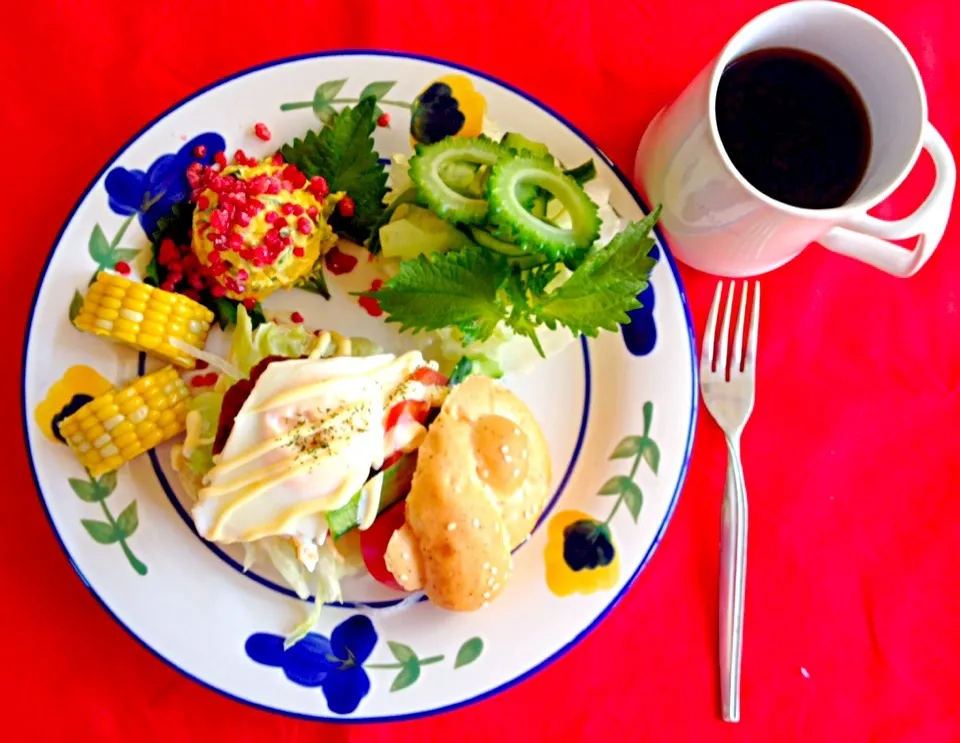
(482, 478)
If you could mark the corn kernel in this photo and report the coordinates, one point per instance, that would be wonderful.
(144, 317)
(120, 425)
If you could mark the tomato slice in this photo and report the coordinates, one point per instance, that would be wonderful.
(416, 410)
(426, 375)
(373, 544)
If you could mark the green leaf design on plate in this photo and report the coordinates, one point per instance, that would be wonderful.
(647, 417)
(615, 485)
(377, 89)
(113, 530)
(128, 521)
(107, 483)
(469, 652)
(326, 92)
(403, 653)
(86, 490)
(642, 449)
(627, 448)
(651, 455)
(99, 246)
(408, 675)
(633, 497)
(124, 254)
(325, 113)
(75, 305)
(101, 531)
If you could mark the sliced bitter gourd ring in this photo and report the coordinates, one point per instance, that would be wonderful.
(533, 234)
(425, 171)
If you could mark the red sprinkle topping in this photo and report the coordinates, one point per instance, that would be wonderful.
(200, 151)
(240, 157)
(371, 305)
(194, 174)
(296, 317)
(220, 159)
(319, 187)
(299, 252)
(203, 203)
(250, 303)
(338, 262)
(312, 212)
(203, 380)
(262, 131)
(278, 159)
(292, 174)
(217, 290)
(346, 206)
(304, 226)
(122, 268)
(168, 252)
(384, 120)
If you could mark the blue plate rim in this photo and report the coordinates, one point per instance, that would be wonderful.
(694, 398)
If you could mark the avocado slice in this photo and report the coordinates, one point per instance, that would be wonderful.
(396, 484)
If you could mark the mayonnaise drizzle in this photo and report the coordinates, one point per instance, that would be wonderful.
(303, 444)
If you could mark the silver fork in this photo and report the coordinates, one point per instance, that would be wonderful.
(729, 396)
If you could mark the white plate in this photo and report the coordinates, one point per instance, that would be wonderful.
(188, 601)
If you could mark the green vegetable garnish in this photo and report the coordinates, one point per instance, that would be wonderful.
(528, 230)
(428, 166)
(344, 155)
(475, 289)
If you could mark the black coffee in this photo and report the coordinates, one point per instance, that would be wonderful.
(794, 127)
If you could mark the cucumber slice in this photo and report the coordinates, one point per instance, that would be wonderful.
(529, 231)
(396, 484)
(431, 161)
(466, 178)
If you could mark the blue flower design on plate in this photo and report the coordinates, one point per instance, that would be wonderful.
(153, 193)
(640, 334)
(335, 664)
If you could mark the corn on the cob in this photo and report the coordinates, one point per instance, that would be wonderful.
(144, 317)
(120, 425)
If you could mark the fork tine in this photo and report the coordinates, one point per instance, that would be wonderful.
(710, 333)
(722, 358)
(738, 333)
(754, 325)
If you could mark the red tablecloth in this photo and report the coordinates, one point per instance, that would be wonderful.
(851, 456)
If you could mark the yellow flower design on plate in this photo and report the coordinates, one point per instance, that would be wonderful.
(78, 386)
(580, 555)
(448, 107)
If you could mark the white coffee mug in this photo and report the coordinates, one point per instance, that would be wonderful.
(718, 223)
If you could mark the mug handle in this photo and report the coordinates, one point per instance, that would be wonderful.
(865, 237)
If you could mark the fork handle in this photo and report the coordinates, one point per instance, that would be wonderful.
(733, 569)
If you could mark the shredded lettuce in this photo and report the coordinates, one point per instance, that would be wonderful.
(284, 558)
(249, 555)
(221, 365)
(202, 421)
(249, 347)
(328, 572)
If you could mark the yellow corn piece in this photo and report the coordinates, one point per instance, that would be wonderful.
(144, 317)
(122, 424)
